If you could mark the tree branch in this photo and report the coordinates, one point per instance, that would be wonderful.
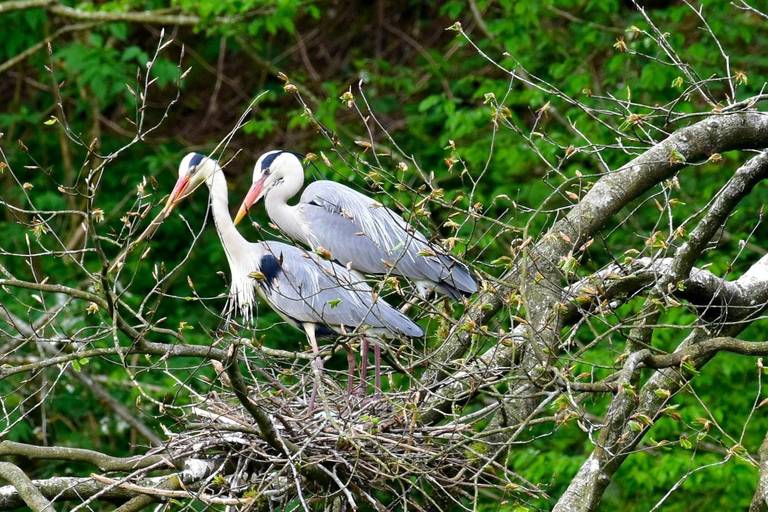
(153, 17)
(70, 489)
(24, 487)
(98, 459)
(716, 134)
(617, 441)
(760, 499)
(15, 5)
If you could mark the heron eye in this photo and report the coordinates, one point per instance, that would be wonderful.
(267, 172)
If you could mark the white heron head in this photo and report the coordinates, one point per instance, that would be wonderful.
(193, 171)
(271, 170)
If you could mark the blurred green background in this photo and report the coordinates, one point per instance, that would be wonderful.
(428, 89)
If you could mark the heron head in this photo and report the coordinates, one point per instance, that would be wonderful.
(193, 171)
(271, 170)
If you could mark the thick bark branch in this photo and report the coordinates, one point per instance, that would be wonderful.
(71, 489)
(702, 287)
(739, 186)
(539, 270)
(84, 489)
(541, 276)
(705, 350)
(24, 487)
(717, 298)
(716, 134)
(619, 437)
(760, 499)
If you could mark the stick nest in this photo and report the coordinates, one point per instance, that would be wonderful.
(349, 453)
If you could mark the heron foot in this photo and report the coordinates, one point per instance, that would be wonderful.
(372, 402)
(360, 391)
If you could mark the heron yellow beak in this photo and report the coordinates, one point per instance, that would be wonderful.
(179, 192)
(253, 196)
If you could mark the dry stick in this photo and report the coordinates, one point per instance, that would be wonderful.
(267, 429)
(24, 4)
(8, 64)
(146, 235)
(170, 493)
(152, 17)
(143, 501)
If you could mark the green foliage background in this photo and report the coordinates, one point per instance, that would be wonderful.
(428, 89)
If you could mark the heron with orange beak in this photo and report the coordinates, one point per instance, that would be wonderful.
(357, 231)
(353, 230)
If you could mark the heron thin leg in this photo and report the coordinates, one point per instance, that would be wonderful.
(377, 367)
(350, 364)
(364, 367)
(309, 329)
(350, 368)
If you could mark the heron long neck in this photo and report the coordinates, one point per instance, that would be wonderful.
(243, 257)
(229, 235)
(284, 215)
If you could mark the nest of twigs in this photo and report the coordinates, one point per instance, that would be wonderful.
(349, 453)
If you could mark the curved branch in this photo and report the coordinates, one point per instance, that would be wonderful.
(53, 361)
(705, 350)
(25, 488)
(739, 186)
(701, 288)
(102, 461)
(56, 288)
(143, 347)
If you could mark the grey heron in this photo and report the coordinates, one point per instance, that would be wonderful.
(358, 231)
(318, 297)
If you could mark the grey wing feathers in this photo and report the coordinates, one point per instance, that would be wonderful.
(358, 229)
(310, 289)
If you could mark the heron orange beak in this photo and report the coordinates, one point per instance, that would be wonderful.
(253, 196)
(179, 192)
